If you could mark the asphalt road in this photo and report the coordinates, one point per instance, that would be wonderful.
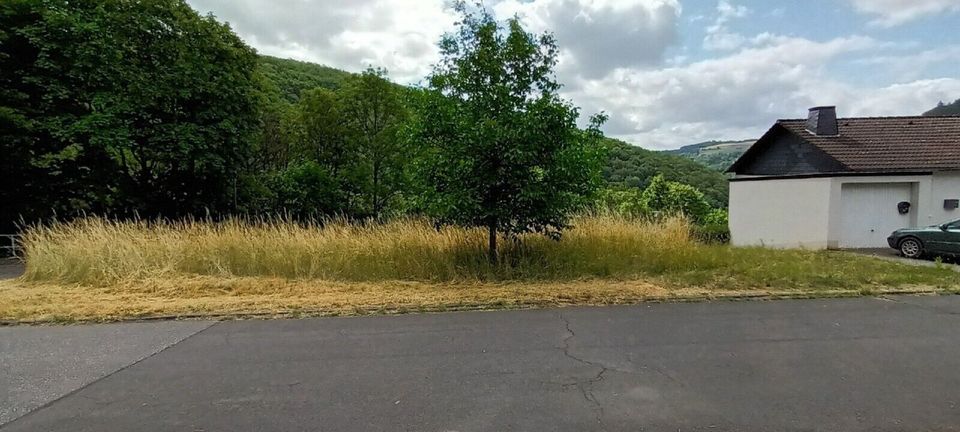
(10, 268)
(808, 365)
(41, 364)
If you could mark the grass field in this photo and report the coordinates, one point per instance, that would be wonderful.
(94, 269)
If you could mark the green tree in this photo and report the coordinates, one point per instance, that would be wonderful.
(667, 197)
(306, 189)
(502, 149)
(307, 162)
(323, 132)
(945, 109)
(121, 106)
(622, 201)
(374, 113)
(656, 196)
(275, 144)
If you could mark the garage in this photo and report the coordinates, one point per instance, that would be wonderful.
(870, 212)
(825, 182)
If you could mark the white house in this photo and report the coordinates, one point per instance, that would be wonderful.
(826, 182)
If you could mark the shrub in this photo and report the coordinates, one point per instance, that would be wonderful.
(717, 217)
(667, 197)
(624, 202)
(307, 189)
(713, 233)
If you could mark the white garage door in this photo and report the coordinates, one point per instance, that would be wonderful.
(870, 213)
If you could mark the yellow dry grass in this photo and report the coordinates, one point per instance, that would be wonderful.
(96, 251)
(206, 296)
(94, 269)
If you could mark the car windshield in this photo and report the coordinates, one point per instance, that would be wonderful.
(953, 223)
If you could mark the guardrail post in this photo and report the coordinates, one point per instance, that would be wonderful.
(10, 245)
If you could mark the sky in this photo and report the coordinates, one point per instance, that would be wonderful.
(667, 72)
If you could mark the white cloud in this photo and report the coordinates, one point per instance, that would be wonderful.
(719, 36)
(617, 56)
(890, 13)
(596, 36)
(740, 95)
(399, 35)
(912, 66)
(911, 98)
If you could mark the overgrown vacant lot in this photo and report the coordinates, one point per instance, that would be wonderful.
(94, 269)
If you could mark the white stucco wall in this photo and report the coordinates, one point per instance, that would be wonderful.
(946, 185)
(807, 212)
(781, 213)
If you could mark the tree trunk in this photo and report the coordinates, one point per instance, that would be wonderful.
(492, 249)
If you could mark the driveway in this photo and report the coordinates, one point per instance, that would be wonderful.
(862, 364)
(890, 254)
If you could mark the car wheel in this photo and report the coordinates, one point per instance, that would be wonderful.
(911, 247)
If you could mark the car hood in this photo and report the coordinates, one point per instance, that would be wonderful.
(931, 228)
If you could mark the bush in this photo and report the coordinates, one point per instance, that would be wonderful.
(713, 233)
(624, 202)
(307, 190)
(665, 197)
(717, 217)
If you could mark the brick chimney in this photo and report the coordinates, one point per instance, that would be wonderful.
(823, 121)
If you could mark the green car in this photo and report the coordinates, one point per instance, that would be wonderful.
(943, 239)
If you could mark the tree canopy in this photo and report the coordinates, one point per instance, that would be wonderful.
(119, 106)
(503, 150)
(944, 109)
(292, 77)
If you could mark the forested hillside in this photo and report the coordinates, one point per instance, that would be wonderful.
(631, 166)
(292, 77)
(718, 155)
(943, 109)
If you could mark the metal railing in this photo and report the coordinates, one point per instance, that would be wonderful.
(9, 245)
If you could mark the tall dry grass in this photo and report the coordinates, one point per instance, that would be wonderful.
(97, 251)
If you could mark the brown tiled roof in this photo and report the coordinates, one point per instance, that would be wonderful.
(889, 143)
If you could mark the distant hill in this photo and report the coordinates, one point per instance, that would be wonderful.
(943, 109)
(292, 77)
(717, 155)
(632, 166)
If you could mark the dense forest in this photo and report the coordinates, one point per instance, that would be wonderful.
(148, 109)
(943, 109)
(291, 77)
(634, 167)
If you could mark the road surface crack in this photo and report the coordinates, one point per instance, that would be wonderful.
(585, 386)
